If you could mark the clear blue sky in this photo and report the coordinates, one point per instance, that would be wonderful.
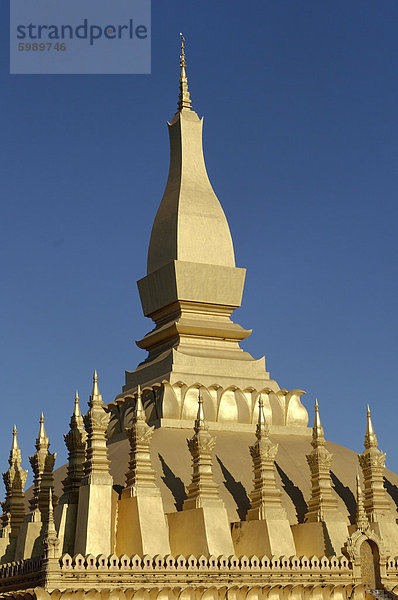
(300, 103)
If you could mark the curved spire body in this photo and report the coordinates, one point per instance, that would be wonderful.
(190, 224)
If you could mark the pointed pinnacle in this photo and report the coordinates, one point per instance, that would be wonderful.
(200, 422)
(182, 56)
(370, 436)
(262, 428)
(184, 101)
(95, 391)
(261, 416)
(369, 424)
(95, 394)
(14, 445)
(50, 517)
(317, 420)
(76, 410)
(139, 408)
(42, 430)
(318, 436)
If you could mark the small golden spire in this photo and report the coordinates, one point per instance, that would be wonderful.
(370, 436)
(369, 424)
(76, 411)
(184, 101)
(202, 490)
(15, 454)
(200, 423)
(14, 439)
(95, 391)
(318, 436)
(50, 531)
(42, 431)
(317, 421)
(262, 428)
(139, 408)
(95, 397)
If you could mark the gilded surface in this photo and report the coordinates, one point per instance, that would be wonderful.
(368, 574)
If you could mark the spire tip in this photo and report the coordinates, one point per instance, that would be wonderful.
(184, 99)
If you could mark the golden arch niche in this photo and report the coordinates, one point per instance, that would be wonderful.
(370, 564)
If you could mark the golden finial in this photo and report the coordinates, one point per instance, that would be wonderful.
(370, 436)
(262, 425)
(42, 430)
(200, 422)
(369, 424)
(184, 100)
(76, 411)
(318, 438)
(139, 408)
(50, 526)
(95, 397)
(14, 439)
(317, 420)
(95, 391)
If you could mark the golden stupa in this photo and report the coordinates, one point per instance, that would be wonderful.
(202, 479)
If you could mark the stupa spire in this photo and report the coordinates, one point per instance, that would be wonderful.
(76, 411)
(93, 523)
(141, 510)
(200, 423)
(323, 501)
(14, 446)
(95, 395)
(14, 480)
(42, 439)
(42, 463)
(203, 490)
(140, 477)
(265, 498)
(192, 284)
(75, 441)
(96, 423)
(318, 435)
(370, 436)
(51, 542)
(262, 428)
(139, 408)
(184, 100)
(372, 462)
